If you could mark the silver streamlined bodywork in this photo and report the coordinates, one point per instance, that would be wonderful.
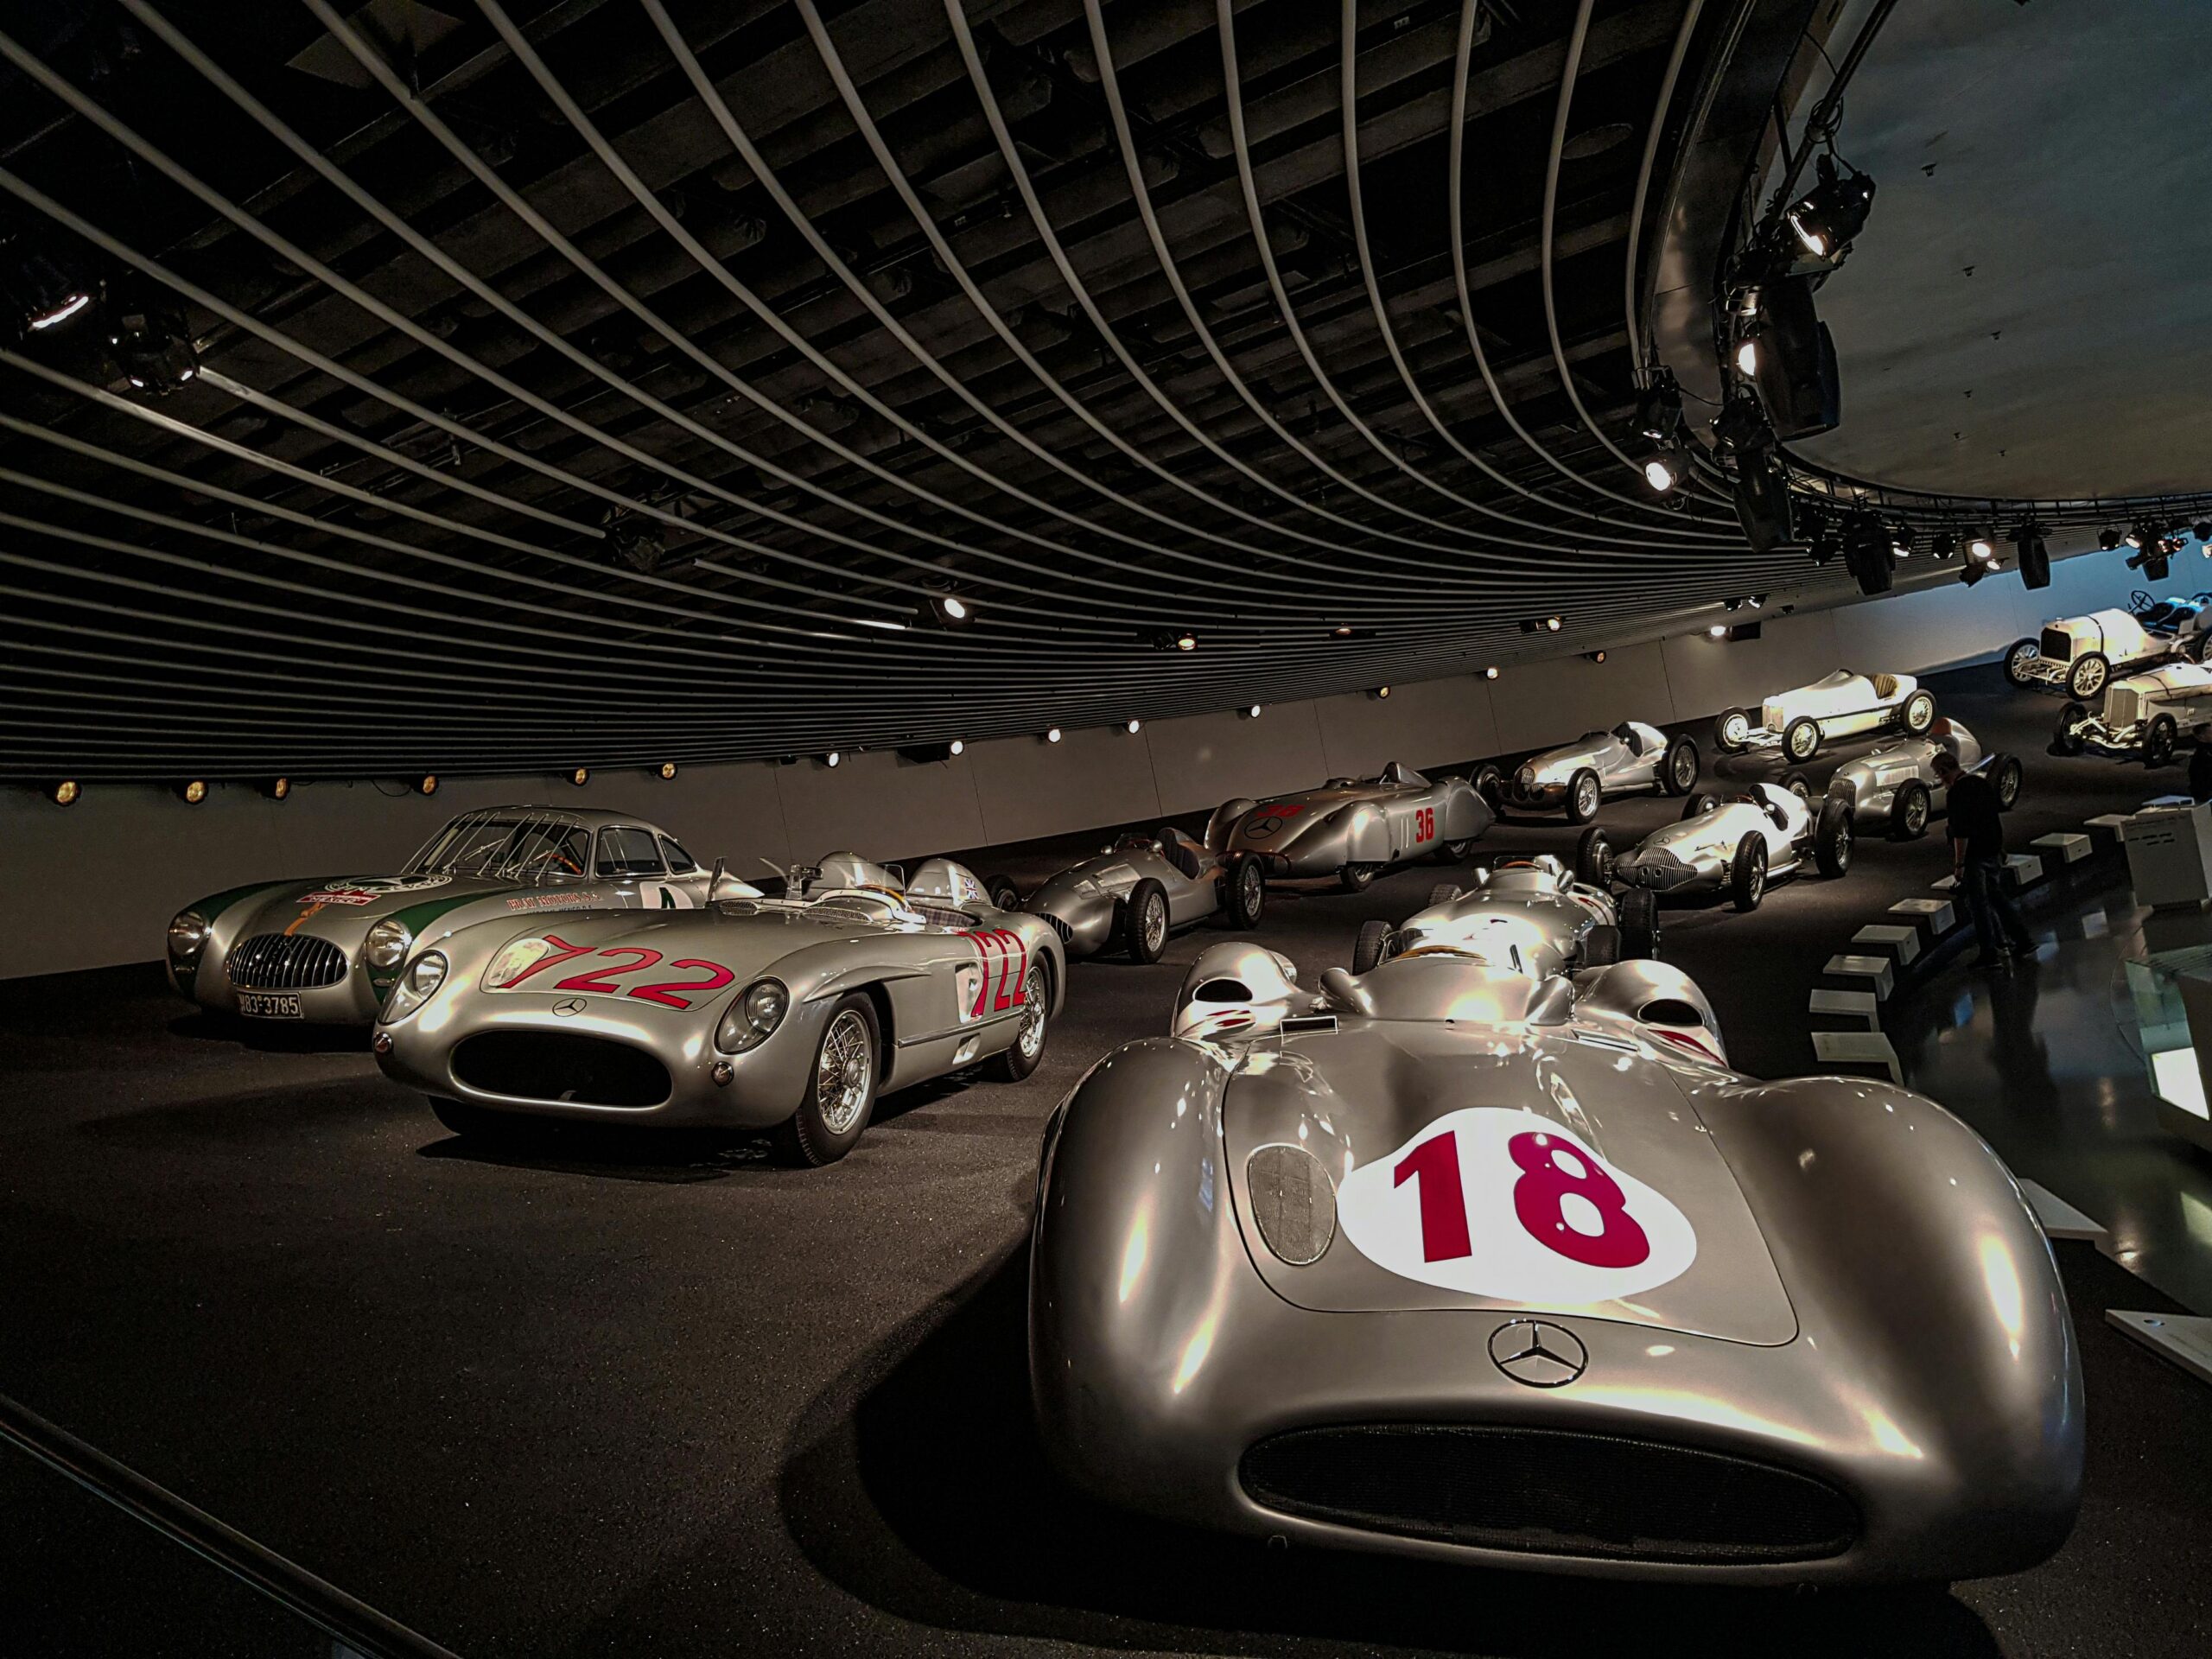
(759, 1013)
(1844, 704)
(1523, 913)
(2081, 654)
(1632, 759)
(328, 951)
(1894, 789)
(2144, 717)
(1145, 886)
(1735, 842)
(1517, 1271)
(1353, 828)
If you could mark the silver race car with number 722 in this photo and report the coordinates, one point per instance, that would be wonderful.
(327, 950)
(1515, 1270)
(1351, 829)
(788, 1013)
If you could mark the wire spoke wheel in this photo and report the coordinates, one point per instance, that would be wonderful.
(1031, 1038)
(844, 1072)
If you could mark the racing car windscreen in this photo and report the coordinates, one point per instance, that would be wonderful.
(535, 846)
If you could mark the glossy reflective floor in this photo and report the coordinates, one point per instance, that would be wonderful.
(2045, 1063)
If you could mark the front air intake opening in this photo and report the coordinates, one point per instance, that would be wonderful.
(1549, 1491)
(568, 1067)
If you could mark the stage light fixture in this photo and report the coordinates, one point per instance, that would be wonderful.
(277, 788)
(1731, 604)
(1490, 673)
(1747, 357)
(151, 342)
(1381, 694)
(64, 793)
(1718, 631)
(2202, 530)
(667, 770)
(2107, 538)
(1901, 540)
(1979, 546)
(956, 746)
(1250, 711)
(1551, 624)
(1595, 655)
(1051, 734)
(952, 610)
(1758, 602)
(833, 760)
(1867, 553)
(637, 541)
(1662, 472)
(581, 776)
(1133, 726)
(1659, 408)
(1829, 216)
(428, 784)
(1943, 544)
(2031, 555)
(1971, 572)
(194, 792)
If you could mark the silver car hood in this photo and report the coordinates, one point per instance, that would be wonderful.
(1361, 1095)
(342, 908)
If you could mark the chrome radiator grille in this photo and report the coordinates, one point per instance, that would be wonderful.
(2056, 646)
(275, 961)
(2123, 706)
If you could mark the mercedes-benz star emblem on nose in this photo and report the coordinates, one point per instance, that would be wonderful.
(1543, 1355)
(569, 1005)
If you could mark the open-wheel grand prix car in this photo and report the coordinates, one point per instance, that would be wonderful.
(1353, 828)
(328, 951)
(2081, 653)
(1517, 1271)
(1142, 887)
(1844, 704)
(1632, 759)
(1525, 913)
(1894, 790)
(791, 1014)
(2144, 716)
(1734, 843)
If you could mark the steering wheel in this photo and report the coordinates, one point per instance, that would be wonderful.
(556, 854)
(2139, 600)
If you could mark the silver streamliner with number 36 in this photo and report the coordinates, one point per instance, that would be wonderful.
(1516, 1270)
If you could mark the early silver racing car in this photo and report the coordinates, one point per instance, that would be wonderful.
(1133, 894)
(2083, 653)
(1516, 1270)
(1844, 704)
(791, 1014)
(2144, 717)
(1351, 829)
(1632, 759)
(328, 950)
(1734, 843)
(1894, 790)
(1525, 913)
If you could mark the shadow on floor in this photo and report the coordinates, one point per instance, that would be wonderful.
(918, 1485)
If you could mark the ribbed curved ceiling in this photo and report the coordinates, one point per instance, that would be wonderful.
(1075, 312)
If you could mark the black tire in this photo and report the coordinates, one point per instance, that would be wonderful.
(1678, 772)
(1833, 837)
(1372, 944)
(1244, 892)
(1601, 946)
(1594, 858)
(2022, 653)
(2087, 676)
(1747, 872)
(1584, 795)
(1639, 914)
(1910, 808)
(1004, 893)
(824, 1128)
(1445, 892)
(2065, 739)
(1703, 801)
(1023, 1056)
(1454, 852)
(1144, 921)
(1801, 739)
(1358, 878)
(1489, 783)
(1797, 784)
(1731, 731)
(2161, 738)
(2007, 777)
(1918, 713)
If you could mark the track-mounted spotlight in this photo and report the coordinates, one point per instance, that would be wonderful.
(1659, 408)
(1943, 544)
(928, 754)
(1595, 655)
(1380, 694)
(1490, 673)
(1551, 625)
(1663, 470)
(1973, 571)
(1980, 547)
(1731, 604)
(1901, 540)
(38, 293)
(2202, 530)
(1829, 216)
(957, 746)
(951, 610)
(2107, 538)
(833, 760)
(1867, 553)
(2034, 558)
(151, 340)
(1757, 601)
(1249, 711)
(1051, 734)
(1133, 726)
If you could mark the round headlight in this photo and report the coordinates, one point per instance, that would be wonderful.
(1294, 1203)
(187, 935)
(416, 986)
(753, 1017)
(388, 942)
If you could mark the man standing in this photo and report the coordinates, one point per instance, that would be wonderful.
(1977, 828)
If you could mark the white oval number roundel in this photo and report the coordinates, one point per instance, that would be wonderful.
(1506, 1203)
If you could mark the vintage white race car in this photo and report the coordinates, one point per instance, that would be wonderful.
(1632, 759)
(1524, 914)
(1843, 705)
(1894, 790)
(2081, 653)
(1735, 842)
(2144, 714)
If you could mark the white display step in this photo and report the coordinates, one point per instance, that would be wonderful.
(1939, 914)
(1867, 1050)
(1849, 1004)
(2112, 824)
(1905, 941)
(2184, 1338)
(1877, 969)
(2069, 847)
(2025, 869)
(2061, 1219)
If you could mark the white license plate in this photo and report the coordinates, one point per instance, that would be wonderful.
(270, 1005)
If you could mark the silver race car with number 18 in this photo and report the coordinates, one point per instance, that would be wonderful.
(1351, 829)
(790, 1014)
(1513, 1270)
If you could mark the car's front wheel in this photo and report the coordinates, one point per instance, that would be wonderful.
(1489, 783)
(1639, 914)
(2066, 738)
(1731, 733)
(1372, 944)
(1801, 739)
(1747, 872)
(1004, 895)
(1357, 877)
(1583, 795)
(1019, 1058)
(2017, 660)
(1918, 713)
(2087, 675)
(2006, 778)
(1678, 771)
(1247, 892)
(1909, 811)
(1144, 921)
(2161, 738)
(1832, 838)
(1594, 858)
(840, 1089)
(1454, 852)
